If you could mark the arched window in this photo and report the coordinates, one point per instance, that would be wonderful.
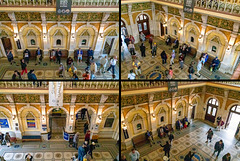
(192, 39)
(84, 42)
(214, 48)
(3, 121)
(236, 109)
(30, 120)
(162, 119)
(211, 112)
(58, 42)
(139, 126)
(162, 114)
(33, 42)
(143, 24)
(109, 121)
(175, 32)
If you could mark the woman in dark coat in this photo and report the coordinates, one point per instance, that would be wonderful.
(142, 49)
(166, 148)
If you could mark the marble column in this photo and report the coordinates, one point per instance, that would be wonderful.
(153, 27)
(72, 40)
(45, 41)
(201, 42)
(2, 51)
(16, 122)
(134, 26)
(99, 44)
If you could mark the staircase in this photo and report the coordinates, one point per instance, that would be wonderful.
(79, 127)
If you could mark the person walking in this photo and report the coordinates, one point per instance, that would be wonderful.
(150, 40)
(181, 61)
(90, 53)
(81, 152)
(24, 67)
(131, 48)
(164, 57)
(122, 53)
(166, 148)
(93, 69)
(103, 64)
(142, 49)
(10, 56)
(83, 111)
(154, 50)
(87, 136)
(75, 140)
(171, 137)
(91, 148)
(199, 66)
(39, 56)
(85, 127)
(113, 63)
(172, 57)
(150, 138)
(137, 67)
(219, 146)
(134, 155)
(209, 135)
(16, 75)
(226, 157)
(8, 139)
(26, 55)
(190, 70)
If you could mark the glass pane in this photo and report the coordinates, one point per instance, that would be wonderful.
(210, 101)
(139, 126)
(213, 101)
(216, 102)
(233, 108)
(145, 26)
(238, 109)
(214, 111)
(145, 17)
(209, 109)
(121, 23)
(141, 17)
(140, 27)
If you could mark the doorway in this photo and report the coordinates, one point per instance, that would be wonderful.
(193, 111)
(6, 43)
(143, 24)
(57, 123)
(233, 119)
(123, 29)
(162, 29)
(212, 107)
(108, 45)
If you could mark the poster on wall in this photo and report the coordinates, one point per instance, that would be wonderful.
(56, 94)
(65, 136)
(44, 127)
(63, 7)
(188, 6)
(4, 123)
(31, 123)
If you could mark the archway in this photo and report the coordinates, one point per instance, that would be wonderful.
(110, 40)
(57, 122)
(143, 24)
(233, 119)
(211, 112)
(123, 29)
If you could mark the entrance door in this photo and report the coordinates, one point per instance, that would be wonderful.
(6, 43)
(57, 123)
(108, 45)
(162, 29)
(193, 112)
(143, 24)
(211, 112)
(233, 118)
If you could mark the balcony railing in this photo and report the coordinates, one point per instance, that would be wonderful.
(134, 85)
(66, 85)
(52, 3)
(232, 7)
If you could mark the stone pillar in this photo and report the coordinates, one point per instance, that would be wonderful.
(96, 122)
(153, 27)
(45, 41)
(227, 64)
(99, 45)
(15, 121)
(72, 41)
(165, 8)
(2, 51)
(181, 32)
(221, 110)
(202, 41)
(134, 26)
(71, 120)
(202, 107)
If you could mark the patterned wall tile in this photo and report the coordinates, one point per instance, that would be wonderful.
(215, 90)
(65, 17)
(159, 7)
(33, 98)
(89, 16)
(94, 98)
(141, 6)
(112, 99)
(81, 98)
(234, 95)
(127, 101)
(35, 16)
(20, 98)
(124, 8)
(51, 16)
(142, 98)
(113, 17)
(198, 90)
(3, 98)
(21, 16)
(4, 16)
(67, 98)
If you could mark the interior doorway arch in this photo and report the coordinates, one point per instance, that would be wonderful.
(233, 118)
(211, 112)
(143, 24)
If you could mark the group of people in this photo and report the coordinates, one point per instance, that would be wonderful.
(5, 139)
(182, 124)
(184, 50)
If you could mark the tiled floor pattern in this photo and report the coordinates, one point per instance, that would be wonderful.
(50, 71)
(152, 68)
(192, 138)
(56, 151)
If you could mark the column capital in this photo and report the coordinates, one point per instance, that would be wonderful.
(236, 27)
(204, 18)
(165, 8)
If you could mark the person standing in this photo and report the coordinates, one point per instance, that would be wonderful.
(131, 48)
(61, 70)
(127, 40)
(131, 75)
(171, 137)
(24, 67)
(69, 62)
(170, 73)
(103, 64)
(79, 55)
(142, 49)
(26, 55)
(87, 136)
(219, 146)
(166, 148)
(16, 76)
(90, 53)
(176, 43)
(142, 37)
(122, 53)
(137, 67)
(199, 66)
(209, 135)
(113, 63)
(181, 58)
(39, 56)
(134, 155)
(150, 41)
(93, 69)
(219, 118)
(226, 157)
(132, 39)
(190, 70)
(215, 64)
(59, 55)
(75, 140)
(168, 40)
(189, 156)
(164, 57)
(150, 138)
(10, 56)
(81, 152)
(83, 111)
(8, 139)
(91, 148)
(172, 57)
(154, 50)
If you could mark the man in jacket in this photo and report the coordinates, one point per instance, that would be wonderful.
(26, 55)
(191, 70)
(39, 56)
(166, 148)
(75, 140)
(81, 152)
(219, 146)
(90, 53)
(164, 57)
(58, 55)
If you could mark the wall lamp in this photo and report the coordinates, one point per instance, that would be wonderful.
(101, 35)
(154, 116)
(124, 126)
(164, 24)
(229, 47)
(200, 37)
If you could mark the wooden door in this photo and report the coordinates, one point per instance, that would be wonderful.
(193, 112)
(6, 43)
(162, 29)
(143, 24)
(211, 112)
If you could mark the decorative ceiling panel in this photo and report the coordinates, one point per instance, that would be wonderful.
(124, 8)
(141, 6)
(127, 101)
(89, 16)
(3, 98)
(112, 99)
(4, 16)
(215, 90)
(113, 17)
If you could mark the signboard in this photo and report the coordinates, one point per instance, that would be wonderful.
(188, 6)
(31, 123)
(4, 123)
(172, 86)
(56, 94)
(63, 7)
(65, 136)
(44, 127)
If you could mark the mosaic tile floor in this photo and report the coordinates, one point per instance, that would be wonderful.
(152, 68)
(60, 151)
(48, 72)
(193, 138)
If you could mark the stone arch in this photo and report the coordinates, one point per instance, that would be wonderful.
(87, 107)
(31, 25)
(114, 38)
(141, 14)
(26, 40)
(129, 112)
(90, 40)
(87, 26)
(231, 105)
(64, 38)
(160, 16)
(210, 97)
(194, 97)
(32, 107)
(125, 21)
(60, 25)
(171, 26)
(7, 110)
(109, 109)
(63, 108)
(166, 106)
